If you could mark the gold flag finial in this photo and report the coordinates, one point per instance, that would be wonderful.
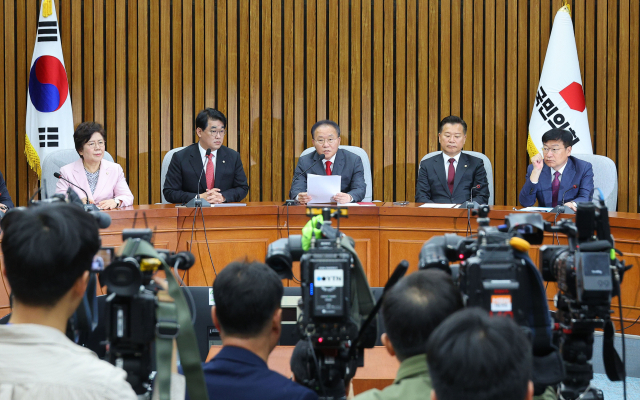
(47, 9)
(566, 7)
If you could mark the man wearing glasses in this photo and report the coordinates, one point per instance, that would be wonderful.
(334, 161)
(221, 178)
(560, 176)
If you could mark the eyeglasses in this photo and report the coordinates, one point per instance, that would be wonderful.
(216, 133)
(98, 144)
(329, 141)
(553, 151)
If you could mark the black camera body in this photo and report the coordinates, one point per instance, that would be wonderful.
(329, 273)
(130, 312)
(489, 275)
(326, 295)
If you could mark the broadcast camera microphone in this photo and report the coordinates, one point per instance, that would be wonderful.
(103, 219)
(86, 206)
(561, 208)
(290, 202)
(197, 201)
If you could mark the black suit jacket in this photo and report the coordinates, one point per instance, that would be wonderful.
(347, 165)
(181, 181)
(432, 181)
(5, 197)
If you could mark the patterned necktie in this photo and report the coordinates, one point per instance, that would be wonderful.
(328, 165)
(210, 177)
(452, 175)
(555, 187)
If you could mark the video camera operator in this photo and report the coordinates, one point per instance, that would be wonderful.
(48, 253)
(411, 311)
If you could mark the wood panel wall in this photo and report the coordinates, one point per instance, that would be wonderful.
(386, 71)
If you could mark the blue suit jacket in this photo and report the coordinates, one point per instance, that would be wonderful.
(238, 374)
(576, 172)
(347, 165)
(5, 197)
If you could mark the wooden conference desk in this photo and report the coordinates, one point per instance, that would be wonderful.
(384, 235)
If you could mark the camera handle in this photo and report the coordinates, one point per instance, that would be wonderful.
(398, 273)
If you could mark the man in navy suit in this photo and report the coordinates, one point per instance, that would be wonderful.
(5, 197)
(335, 161)
(223, 179)
(449, 177)
(561, 176)
(247, 314)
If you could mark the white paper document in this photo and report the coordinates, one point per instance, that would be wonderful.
(438, 205)
(322, 188)
(535, 209)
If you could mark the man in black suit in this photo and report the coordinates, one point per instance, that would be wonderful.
(449, 177)
(329, 159)
(222, 181)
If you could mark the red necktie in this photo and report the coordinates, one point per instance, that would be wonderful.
(210, 177)
(328, 165)
(555, 188)
(452, 175)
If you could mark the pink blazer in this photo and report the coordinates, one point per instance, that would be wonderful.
(111, 182)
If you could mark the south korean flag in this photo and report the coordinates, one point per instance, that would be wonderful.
(49, 125)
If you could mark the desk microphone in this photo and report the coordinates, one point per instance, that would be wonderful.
(87, 206)
(197, 201)
(472, 204)
(560, 208)
(292, 201)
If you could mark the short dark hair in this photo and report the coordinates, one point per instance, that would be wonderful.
(202, 120)
(46, 249)
(318, 124)
(246, 295)
(452, 119)
(415, 306)
(472, 355)
(83, 134)
(558, 134)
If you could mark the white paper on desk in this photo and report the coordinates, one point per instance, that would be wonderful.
(438, 205)
(322, 188)
(535, 209)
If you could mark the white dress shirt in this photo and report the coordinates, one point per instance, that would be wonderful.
(203, 154)
(446, 163)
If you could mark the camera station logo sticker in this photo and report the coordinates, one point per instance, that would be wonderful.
(48, 87)
(501, 303)
(329, 278)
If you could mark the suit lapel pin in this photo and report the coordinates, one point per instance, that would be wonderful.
(465, 166)
(223, 161)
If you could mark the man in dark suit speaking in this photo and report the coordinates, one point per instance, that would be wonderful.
(450, 176)
(222, 181)
(559, 177)
(329, 159)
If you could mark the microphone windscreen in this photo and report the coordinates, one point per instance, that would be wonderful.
(57, 174)
(208, 152)
(103, 219)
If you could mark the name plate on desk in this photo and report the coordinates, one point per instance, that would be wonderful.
(438, 205)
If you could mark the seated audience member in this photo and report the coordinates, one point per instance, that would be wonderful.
(411, 311)
(102, 180)
(247, 313)
(223, 180)
(548, 182)
(335, 161)
(48, 251)
(474, 356)
(449, 177)
(5, 197)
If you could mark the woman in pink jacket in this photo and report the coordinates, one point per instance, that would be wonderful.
(102, 180)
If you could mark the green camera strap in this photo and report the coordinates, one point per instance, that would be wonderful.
(174, 321)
